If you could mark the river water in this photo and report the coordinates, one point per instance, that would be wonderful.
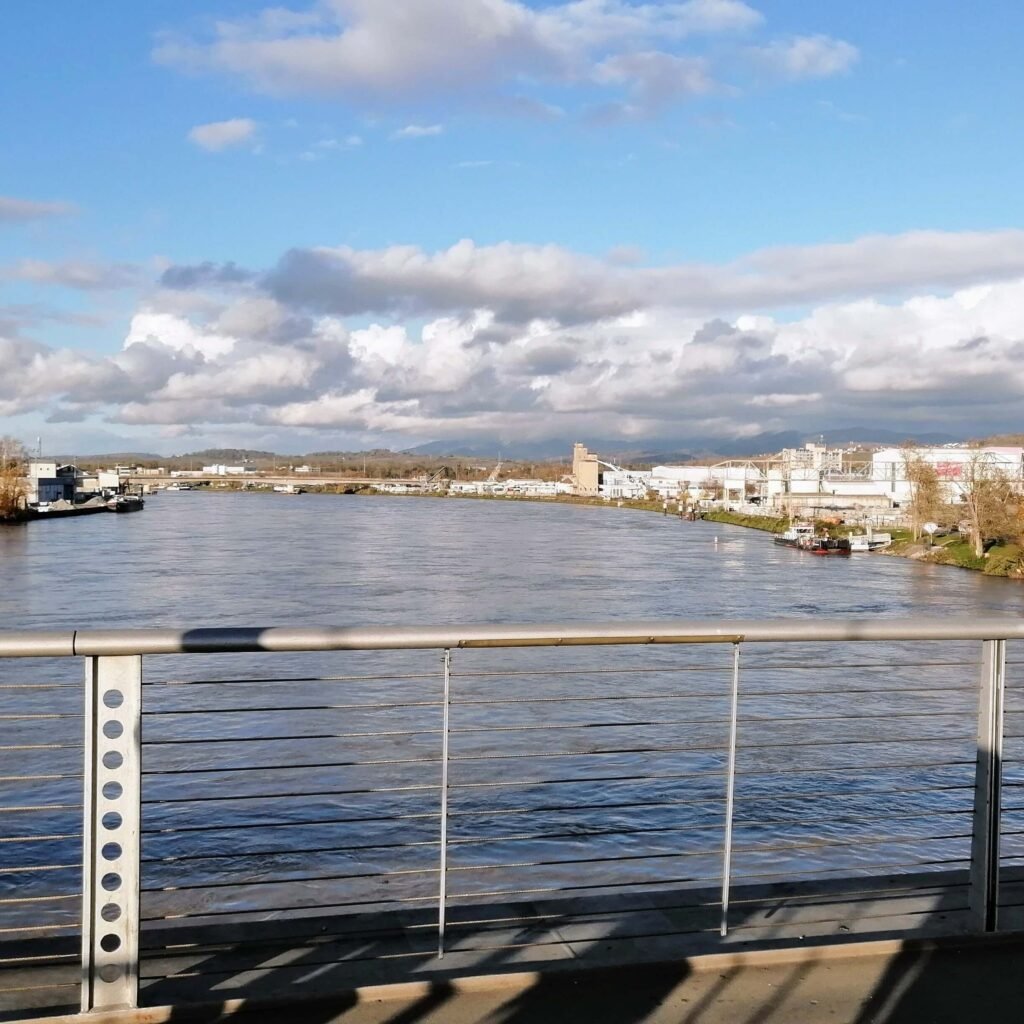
(215, 559)
(312, 781)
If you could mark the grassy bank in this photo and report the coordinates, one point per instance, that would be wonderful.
(999, 560)
(770, 524)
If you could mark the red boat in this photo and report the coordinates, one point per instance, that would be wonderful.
(827, 546)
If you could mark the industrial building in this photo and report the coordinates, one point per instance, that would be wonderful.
(47, 481)
(503, 488)
(810, 480)
(221, 470)
(952, 466)
(585, 472)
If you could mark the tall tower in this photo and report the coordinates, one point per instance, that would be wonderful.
(584, 471)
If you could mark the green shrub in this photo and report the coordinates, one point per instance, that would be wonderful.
(1004, 560)
(959, 553)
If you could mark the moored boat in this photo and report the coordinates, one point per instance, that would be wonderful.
(63, 509)
(125, 503)
(794, 535)
(827, 546)
(869, 541)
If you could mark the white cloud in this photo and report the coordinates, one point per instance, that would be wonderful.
(178, 333)
(816, 56)
(368, 50)
(531, 341)
(22, 211)
(31, 375)
(595, 23)
(349, 142)
(79, 274)
(655, 79)
(418, 131)
(783, 401)
(368, 47)
(219, 135)
(255, 377)
(522, 282)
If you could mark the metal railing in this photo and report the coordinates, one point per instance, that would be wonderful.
(500, 800)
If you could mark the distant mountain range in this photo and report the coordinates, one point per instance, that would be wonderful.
(613, 449)
(121, 458)
(674, 448)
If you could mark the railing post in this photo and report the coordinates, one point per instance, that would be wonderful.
(984, 888)
(730, 789)
(442, 899)
(112, 812)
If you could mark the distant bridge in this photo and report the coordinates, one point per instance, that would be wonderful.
(295, 479)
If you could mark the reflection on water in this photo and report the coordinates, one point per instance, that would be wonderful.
(571, 769)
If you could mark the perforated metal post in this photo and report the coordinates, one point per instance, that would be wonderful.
(110, 863)
(984, 892)
(443, 885)
(730, 789)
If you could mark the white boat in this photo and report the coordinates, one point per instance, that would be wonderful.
(869, 542)
(179, 487)
(795, 534)
(288, 489)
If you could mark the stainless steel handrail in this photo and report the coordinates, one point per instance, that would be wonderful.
(100, 643)
(113, 775)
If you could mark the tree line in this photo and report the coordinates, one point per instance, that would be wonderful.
(990, 508)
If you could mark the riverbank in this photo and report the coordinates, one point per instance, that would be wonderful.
(999, 560)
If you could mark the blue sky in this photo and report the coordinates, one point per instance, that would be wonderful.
(650, 146)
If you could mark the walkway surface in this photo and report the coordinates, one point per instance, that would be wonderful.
(934, 985)
(787, 957)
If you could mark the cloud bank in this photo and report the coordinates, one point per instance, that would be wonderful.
(521, 282)
(530, 341)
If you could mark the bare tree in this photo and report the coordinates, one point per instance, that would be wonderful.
(926, 497)
(12, 464)
(991, 503)
(713, 488)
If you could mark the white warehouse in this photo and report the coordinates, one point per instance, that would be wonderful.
(889, 472)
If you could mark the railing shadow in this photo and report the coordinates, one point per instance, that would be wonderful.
(622, 975)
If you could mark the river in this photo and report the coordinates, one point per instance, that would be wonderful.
(214, 559)
(317, 784)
